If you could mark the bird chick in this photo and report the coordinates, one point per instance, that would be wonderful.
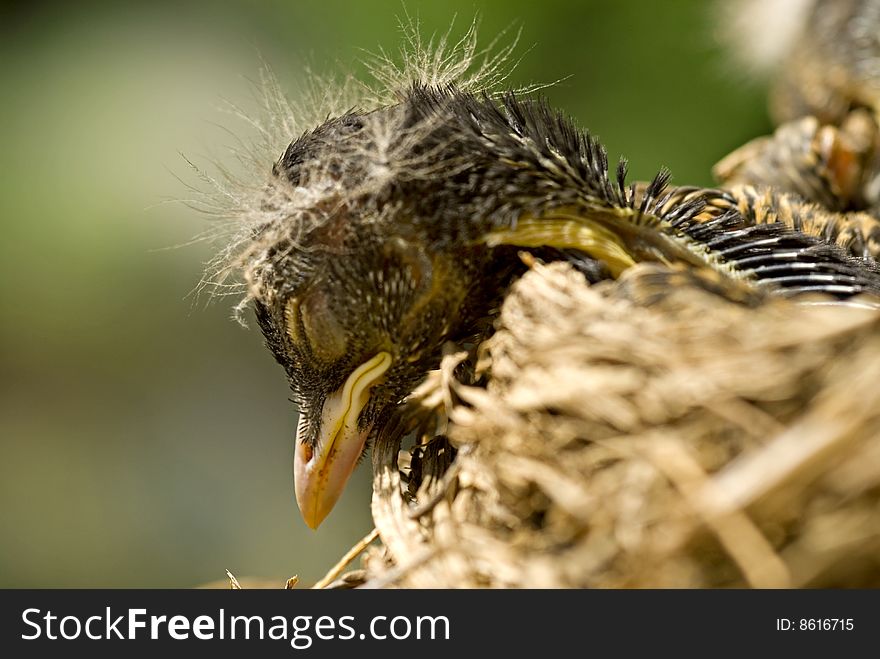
(391, 231)
(820, 171)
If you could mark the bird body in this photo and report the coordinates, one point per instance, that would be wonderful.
(399, 229)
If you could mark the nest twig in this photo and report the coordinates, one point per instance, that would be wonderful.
(639, 437)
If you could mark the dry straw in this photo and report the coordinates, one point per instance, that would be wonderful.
(640, 435)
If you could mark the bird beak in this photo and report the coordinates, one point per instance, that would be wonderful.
(320, 472)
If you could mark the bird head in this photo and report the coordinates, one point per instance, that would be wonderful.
(354, 294)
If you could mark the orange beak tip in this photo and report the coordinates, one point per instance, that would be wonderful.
(323, 466)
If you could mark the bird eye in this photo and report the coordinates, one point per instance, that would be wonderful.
(311, 323)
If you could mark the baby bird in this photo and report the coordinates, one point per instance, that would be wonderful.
(823, 161)
(391, 231)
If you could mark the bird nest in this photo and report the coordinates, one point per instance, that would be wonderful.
(639, 433)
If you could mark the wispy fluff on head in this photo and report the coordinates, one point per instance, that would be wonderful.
(249, 209)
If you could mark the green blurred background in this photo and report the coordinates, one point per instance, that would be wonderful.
(146, 438)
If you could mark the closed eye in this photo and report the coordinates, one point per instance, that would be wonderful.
(314, 328)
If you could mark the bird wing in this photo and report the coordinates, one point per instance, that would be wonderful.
(706, 228)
